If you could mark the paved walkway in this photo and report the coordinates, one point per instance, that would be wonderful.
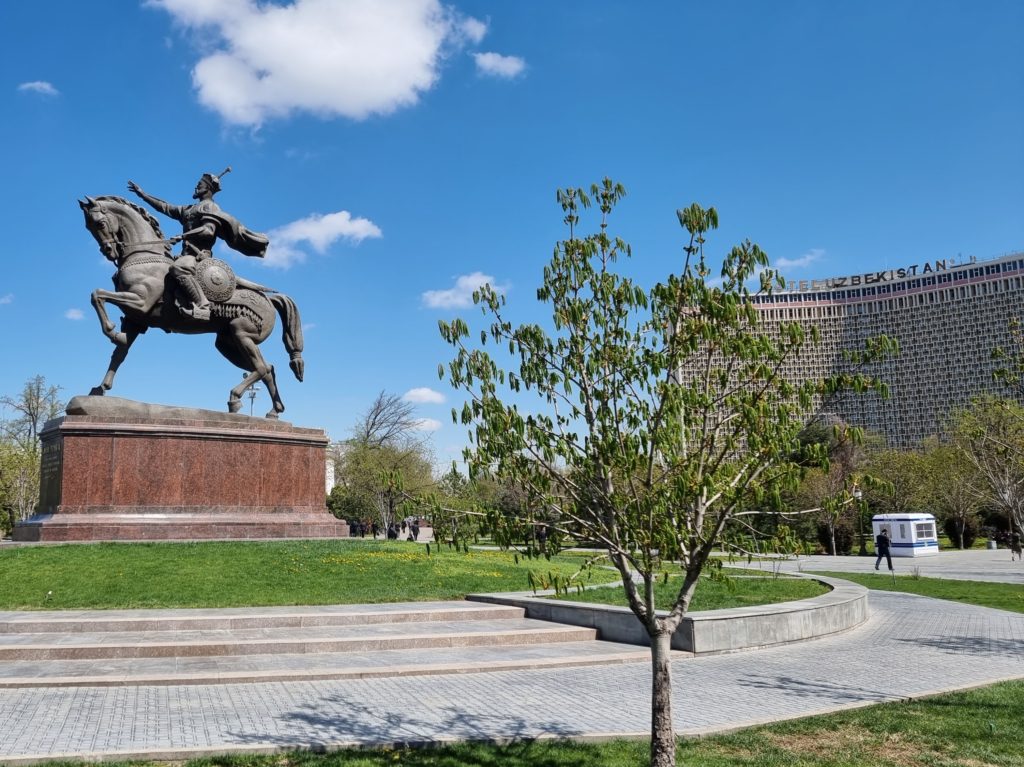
(972, 565)
(911, 646)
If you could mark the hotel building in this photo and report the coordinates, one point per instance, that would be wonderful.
(948, 317)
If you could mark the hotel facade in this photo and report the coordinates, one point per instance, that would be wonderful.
(948, 318)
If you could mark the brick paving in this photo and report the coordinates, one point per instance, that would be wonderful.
(911, 646)
(974, 565)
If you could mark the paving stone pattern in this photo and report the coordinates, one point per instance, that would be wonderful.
(973, 565)
(910, 646)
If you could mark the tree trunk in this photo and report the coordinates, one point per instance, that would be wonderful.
(663, 736)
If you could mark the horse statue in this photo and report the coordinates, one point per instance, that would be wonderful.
(130, 237)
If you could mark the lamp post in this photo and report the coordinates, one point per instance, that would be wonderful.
(858, 497)
(254, 390)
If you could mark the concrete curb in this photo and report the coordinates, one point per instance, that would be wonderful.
(716, 631)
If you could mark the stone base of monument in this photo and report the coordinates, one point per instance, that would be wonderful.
(117, 470)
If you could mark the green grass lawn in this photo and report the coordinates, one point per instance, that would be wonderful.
(713, 594)
(945, 544)
(976, 728)
(1003, 596)
(247, 573)
(236, 574)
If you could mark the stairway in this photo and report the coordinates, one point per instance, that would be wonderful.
(233, 645)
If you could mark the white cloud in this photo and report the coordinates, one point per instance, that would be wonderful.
(806, 259)
(423, 395)
(426, 424)
(496, 65)
(39, 86)
(307, 326)
(349, 58)
(7, 299)
(461, 295)
(74, 314)
(473, 29)
(320, 232)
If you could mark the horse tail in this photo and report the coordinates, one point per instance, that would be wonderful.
(289, 314)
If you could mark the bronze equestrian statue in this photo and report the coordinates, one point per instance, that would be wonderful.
(192, 292)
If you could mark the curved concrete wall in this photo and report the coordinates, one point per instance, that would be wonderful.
(714, 631)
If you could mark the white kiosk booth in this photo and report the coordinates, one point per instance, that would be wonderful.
(911, 535)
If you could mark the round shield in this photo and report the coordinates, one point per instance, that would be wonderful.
(216, 278)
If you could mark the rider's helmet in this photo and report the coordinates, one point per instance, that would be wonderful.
(213, 181)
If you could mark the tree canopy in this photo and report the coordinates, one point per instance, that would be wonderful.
(661, 413)
(384, 466)
(22, 418)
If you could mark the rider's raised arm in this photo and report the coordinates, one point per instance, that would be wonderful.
(174, 211)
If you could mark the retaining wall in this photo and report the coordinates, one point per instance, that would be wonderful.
(713, 631)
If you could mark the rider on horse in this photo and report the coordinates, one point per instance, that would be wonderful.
(202, 224)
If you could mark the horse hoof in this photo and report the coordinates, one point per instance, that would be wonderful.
(96, 391)
(272, 414)
(234, 405)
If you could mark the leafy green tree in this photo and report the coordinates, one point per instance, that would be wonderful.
(17, 470)
(458, 514)
(383, 483)
(841, 493)
(950, 487)
(345, 501)
(990, 436)
(21, 421)
(384, 470)
(822, 494)
(906, 479)
(662, 413)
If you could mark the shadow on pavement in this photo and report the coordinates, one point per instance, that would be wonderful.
(971, 645)
(315, 728)
(816, 689)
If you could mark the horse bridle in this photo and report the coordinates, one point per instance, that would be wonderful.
(117, 252)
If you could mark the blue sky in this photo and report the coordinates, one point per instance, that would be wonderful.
(396, 151)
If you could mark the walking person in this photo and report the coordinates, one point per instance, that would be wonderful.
(882, 548)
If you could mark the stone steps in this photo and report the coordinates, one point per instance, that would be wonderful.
(77, 621)
(103, 648)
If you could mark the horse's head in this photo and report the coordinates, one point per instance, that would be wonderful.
(103, 226)
(121, 227)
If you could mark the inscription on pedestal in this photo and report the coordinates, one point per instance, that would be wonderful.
(50, 469)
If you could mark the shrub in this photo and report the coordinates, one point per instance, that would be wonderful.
(844, 537)
(345, 504)
(951, 527)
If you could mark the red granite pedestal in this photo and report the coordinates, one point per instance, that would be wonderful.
(117, 470)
